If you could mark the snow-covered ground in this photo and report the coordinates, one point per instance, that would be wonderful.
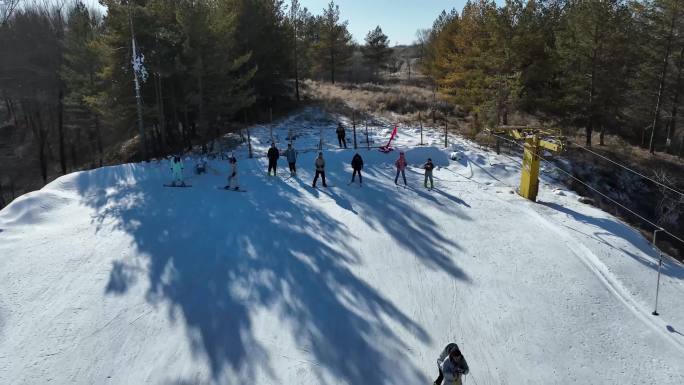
(106, 277)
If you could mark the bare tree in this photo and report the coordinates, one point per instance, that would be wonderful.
(7, 7)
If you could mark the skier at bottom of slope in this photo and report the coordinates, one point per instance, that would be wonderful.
(320, 170)
(233, 182)
(401, 167)
(428, 167)
(357, 166)
(452, 365)
(177, 171)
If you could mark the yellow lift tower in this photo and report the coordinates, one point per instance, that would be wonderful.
(534, 140)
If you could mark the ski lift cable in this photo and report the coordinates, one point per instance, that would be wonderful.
(629, 169)
(598, 192)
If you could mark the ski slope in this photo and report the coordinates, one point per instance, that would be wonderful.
(106, 277)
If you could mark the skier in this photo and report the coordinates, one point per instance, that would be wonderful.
(452, 365)
(401, 166)
(201, 166)
(291, 155)
(177, 171)
(233, 181)
(428, 166)
(341, 135)
(357, 165)
(320, 169)
(273, 155)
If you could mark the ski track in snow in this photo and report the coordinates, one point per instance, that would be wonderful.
(106, 277)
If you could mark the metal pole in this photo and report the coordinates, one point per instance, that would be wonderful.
(367, 141)
(446, 135)
(660, 264)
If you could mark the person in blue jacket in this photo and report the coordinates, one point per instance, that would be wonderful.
(291, 156)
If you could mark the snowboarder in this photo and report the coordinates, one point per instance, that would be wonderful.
(320, 169)
(401, 166)
(291, 156)
(357, 165)
(341, 135)
(428, 166)
(233, 181)
(177, 171)
(452, 365)
(273, 155)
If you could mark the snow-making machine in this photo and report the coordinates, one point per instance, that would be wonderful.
(534, 141)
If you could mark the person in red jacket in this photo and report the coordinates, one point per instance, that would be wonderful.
(401, 166)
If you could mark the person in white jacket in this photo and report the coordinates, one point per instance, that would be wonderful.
(233, 181)
(177, 171)
(452, 365)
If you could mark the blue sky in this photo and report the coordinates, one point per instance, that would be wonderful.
(399, 19)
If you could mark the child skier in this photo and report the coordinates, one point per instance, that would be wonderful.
(177, 171)
(273, 155)
(320, 169)
(291, 156)
(233, 181)
(341, 135)
(357, 165)
(401, 166)
(428, 166)
(452, 365)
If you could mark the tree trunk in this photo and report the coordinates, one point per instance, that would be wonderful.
(672, 126)
(98, 133)
(38, 130)
(661, 86)
(592, 91)
(296, 63)
(60, 131)
(332, 66)
(160, 112)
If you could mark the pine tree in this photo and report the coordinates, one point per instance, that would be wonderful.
(376, 52)
(80, 74)
(334, 46)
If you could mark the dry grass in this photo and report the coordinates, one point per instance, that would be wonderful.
(399, 101)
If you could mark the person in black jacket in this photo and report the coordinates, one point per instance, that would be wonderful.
(357, 165)
(341, 135)
(428, 167)
(452, 365)
(273, 155)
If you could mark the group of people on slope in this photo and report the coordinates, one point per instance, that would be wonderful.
(290, 154)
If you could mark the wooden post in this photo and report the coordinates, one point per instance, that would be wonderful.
(249, 143)
(354, 127)
(420, 119)
(367, 140)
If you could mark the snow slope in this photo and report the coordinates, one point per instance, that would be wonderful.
(106, 277)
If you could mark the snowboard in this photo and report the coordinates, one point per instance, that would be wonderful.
(230, 189)
(179, 185)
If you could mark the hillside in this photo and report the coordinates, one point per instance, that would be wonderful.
(106, 277)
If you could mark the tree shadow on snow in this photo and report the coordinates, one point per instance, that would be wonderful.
(222, 256)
